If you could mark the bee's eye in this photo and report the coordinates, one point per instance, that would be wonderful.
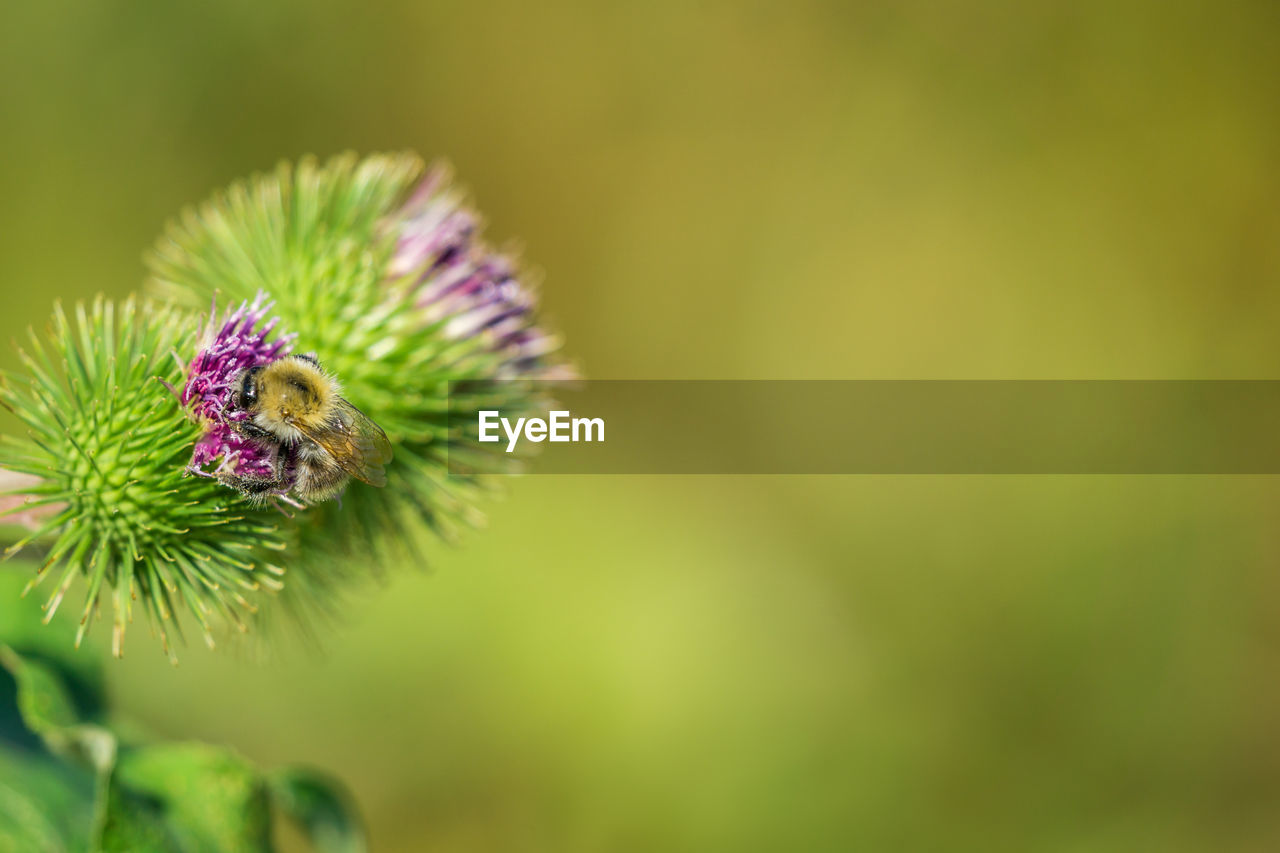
(249, 387)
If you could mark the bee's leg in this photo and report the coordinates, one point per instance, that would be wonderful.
(287, 501)
(258, 489)
(262, 488)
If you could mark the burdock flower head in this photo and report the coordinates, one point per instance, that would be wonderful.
(378, 271)
(383, 273)
(108, 446)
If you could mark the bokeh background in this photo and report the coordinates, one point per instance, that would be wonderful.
(752, 190)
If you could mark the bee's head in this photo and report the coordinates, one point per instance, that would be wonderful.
(284, 398)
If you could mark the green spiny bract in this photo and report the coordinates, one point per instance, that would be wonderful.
(109, 445)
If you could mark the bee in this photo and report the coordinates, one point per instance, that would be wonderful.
(318, 440)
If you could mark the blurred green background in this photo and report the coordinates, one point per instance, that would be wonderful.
(751, 190)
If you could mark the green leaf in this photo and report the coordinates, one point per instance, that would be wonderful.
(322, 808)
(47, 709)
(22, 628)
(132, 824)
(68, 785)
(44, 703)
(45, 805)
(188, 797)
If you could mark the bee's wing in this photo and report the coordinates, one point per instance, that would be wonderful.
(357, 444)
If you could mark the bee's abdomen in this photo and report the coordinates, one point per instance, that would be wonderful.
(318, 481)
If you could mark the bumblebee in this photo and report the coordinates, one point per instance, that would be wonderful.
(318, 439)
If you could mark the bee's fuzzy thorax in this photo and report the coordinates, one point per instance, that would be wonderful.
(294, 396)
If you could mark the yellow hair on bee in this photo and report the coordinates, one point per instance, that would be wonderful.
(295, 397)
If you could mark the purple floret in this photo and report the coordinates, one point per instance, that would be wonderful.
(241, 341)
(233, 348)
(240, 456)
(460, 281)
